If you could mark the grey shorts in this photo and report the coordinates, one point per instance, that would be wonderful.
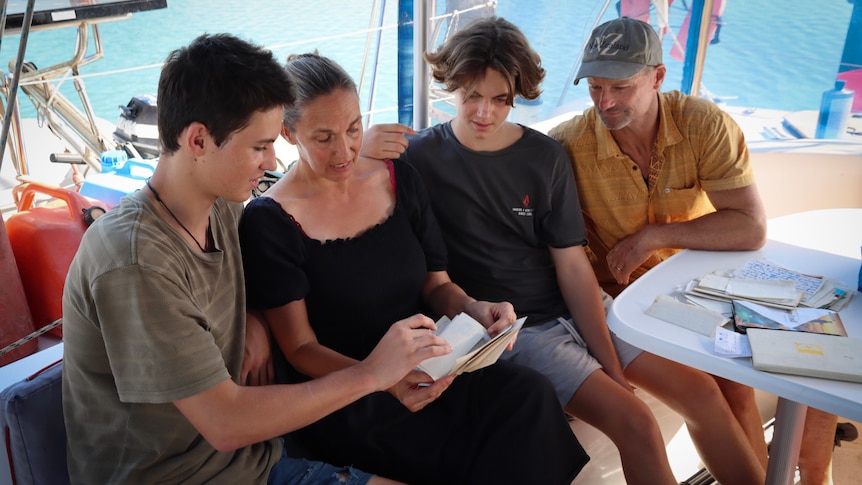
(557, 350)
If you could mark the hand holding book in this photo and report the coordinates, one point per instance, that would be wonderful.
(472, 347)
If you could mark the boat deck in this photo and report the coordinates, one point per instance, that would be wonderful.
(792, 177)
(605, 468)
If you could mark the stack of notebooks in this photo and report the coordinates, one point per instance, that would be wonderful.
(791, 319)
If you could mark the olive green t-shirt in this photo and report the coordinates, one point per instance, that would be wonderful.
(149, 320)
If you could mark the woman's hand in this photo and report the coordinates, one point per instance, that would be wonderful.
(257, 367)
(495, 317)
(417, 389)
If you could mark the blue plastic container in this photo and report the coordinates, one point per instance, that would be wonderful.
(835, 107)
(112, 160)
(110, 187)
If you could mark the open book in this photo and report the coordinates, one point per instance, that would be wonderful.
(472, 347)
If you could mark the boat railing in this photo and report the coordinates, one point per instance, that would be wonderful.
(78, 128)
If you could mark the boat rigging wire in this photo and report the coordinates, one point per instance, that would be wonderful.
(13, 88)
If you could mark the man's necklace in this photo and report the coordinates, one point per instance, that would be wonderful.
(159, 199)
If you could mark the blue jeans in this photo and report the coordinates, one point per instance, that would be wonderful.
(299, 471)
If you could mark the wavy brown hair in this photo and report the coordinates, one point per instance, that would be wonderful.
(490, 42)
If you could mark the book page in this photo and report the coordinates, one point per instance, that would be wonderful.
(462, 334)
(488, 353)
(760, 269)
(731, 344)
(780, 291)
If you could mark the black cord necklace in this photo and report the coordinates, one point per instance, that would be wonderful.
(159, 199)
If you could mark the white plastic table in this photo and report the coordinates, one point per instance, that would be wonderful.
(824, 242)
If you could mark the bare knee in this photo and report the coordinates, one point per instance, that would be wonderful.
(618, 413)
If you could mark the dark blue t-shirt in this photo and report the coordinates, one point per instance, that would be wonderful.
(499, 212)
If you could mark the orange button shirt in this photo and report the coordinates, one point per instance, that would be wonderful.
(700, 149)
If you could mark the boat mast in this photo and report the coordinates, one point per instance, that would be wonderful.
(695, 48)
(421, 84)
(414, 20)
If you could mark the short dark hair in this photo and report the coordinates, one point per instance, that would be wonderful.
(218, 80)
(488, 42)
(311, 76)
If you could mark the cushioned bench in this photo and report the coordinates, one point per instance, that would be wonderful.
(31, 416)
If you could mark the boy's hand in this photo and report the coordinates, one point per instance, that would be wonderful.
(385, 141)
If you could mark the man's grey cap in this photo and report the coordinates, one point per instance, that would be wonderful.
(619, 49)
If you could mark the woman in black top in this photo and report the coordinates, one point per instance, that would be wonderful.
(339, 249)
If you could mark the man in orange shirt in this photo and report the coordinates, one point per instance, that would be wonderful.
(661, 171)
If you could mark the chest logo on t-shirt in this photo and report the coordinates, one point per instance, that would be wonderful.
(525, 210)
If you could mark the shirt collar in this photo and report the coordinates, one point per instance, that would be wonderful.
(668, 131)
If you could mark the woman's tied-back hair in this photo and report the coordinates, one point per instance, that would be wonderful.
(220, 81)
(492, 42)
(311, 76)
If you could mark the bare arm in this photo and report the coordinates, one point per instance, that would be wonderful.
(385, 141)
(581, 292)
(291, 329)
(296, 338)
(230, 416)
(446, 298)
(738, 224)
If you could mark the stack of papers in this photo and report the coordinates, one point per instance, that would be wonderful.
(766, 283)
(775, 293)
(817, 291)
(761, 296)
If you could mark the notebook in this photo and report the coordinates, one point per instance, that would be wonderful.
(806, 354)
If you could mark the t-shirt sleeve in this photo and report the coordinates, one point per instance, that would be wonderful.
(723, 158)
(412, 193)
(272, 253)
(562, 225)
(144, 309)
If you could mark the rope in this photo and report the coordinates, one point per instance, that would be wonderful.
(23, 340)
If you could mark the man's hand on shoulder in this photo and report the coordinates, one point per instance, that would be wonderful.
(385, 141)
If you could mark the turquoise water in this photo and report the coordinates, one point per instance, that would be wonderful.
(779, 54)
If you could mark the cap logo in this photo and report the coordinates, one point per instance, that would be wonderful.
(609, 44)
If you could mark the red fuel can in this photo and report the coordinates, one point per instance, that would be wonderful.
(44, 240)
(15, 319)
